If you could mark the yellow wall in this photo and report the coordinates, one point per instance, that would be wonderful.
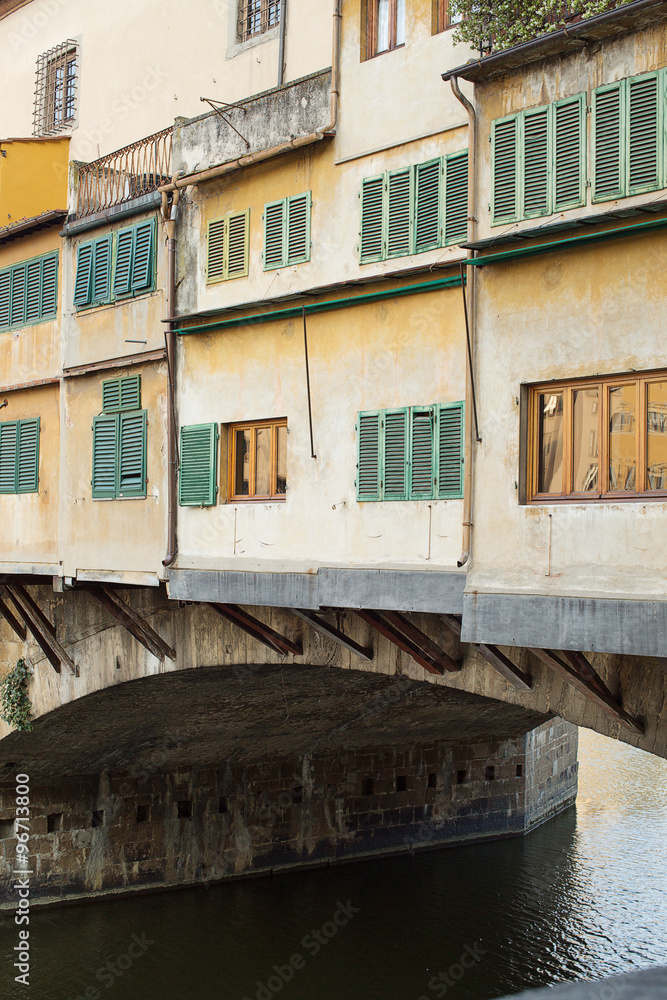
(33, 178)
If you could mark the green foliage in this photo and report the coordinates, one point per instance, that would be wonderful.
(499, 24)
(15, 707)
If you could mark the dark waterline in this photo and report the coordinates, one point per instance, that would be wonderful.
(583, 897)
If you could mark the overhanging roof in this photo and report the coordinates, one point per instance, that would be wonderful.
(26, 226)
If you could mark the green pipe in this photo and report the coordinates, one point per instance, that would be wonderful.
(573, 241)
(319, 307)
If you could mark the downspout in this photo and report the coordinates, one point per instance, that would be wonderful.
(169, 216)
(469, 291)
(281, 50)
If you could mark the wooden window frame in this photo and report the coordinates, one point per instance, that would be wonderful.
(604, 495)
(442, 19)
(254, 426)
(372, 29)
(56, 89)
(246, 13)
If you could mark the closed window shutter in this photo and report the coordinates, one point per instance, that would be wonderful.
(123, 272)
(395, 454)
(372, 216)
(111, 395)
(505, 170)
(399, 213)
(569, 153)
(536, 163)
(643, 134)
(33, 290)
(18, 295)
(421, 454)
(105, 458)
(101, 269)
(450, 451)
(238, 232)
(608, 105)
(198, 466)
(132, 454)
(28, 452)
(49, 305)
(5, 288)
(456, 198)
(298, 228)
(130, 393)
(274, 214)
(215, 250)
(84, 268)
(428, 201)
(8, 455)
(142, 258)
(368, 461)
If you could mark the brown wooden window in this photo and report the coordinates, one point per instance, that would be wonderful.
(445, 15)
(56, 90)
(386, 26)
(256, 16)
(258, 460)
(602, 438)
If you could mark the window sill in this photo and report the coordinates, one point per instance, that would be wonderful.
(244, 500)
(655, 496)
(376, 55)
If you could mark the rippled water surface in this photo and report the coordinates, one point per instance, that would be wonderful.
(583, 897)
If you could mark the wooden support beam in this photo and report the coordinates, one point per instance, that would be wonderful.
(35, 608)
(331, 632)
(586, 680)
(258, 630)
(423, 641)
(453, 623)
(45, 639)
(133, 622)
(18, 626)
(385, 628)
(504, 666)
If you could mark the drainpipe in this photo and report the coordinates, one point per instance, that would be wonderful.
(281, 51)
(469, 291)
(169, 217)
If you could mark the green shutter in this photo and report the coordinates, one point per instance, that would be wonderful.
(428, 206)
(274, 236)
(421, 453)
(18, 295)
(8, 456)
(132, 454)
(450, 451)
(238, 236)
(399, 212)
(111, 395)
(28, 456)
(371, 246)
(456, 198)
(608, 142)
(130, 393)
(49, 303)
(84, 268)
(298, 228)
(569, 152)
(198, 466)
(101, 270)
(368, 456)
(105, 457)
(215, 250)
(123, 271)
(142, 256)
(505, 174)
(33, 290)
(536, 161)
(396, 434)
(5, 287)
(644, 132)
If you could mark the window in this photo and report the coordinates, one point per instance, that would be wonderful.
(386, 26)
(599, 438)
(227, 247)
(258, 460)
(55, 89)
(198, 465)
(415, 209)
(29, 292)
(117, 266)
(287, 231)
(257, 16)
(19, 456)
(413, 453)
(445, 15)
(119, 441)
(628, 123)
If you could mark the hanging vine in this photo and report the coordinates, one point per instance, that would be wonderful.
(15, 707)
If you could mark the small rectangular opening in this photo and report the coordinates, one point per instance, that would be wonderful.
(367, 786)
(432, 780)
(297, 793)
(184, 809)
(401, 782)
(98, 818)
(7, 829)
(222, 805)
(461, 777)
(54, 822)
(490, 773)
(142, 814)
(519, 770)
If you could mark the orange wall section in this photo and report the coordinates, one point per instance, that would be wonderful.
(33, 177)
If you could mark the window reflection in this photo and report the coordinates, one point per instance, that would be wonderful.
(622, 437)
(585, 440)
(656, 451)
(263, 462)
(551, 443)
(281, 475)
(242, 476)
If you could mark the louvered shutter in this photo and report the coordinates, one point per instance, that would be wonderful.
(450, 452)
(399, 213)
(8, 450)
(123, 271)
(49, 305)
(421, 454)
(238, 232)
(372, 217)
(298, 228)
(28, 456)
(274, 215)
(215, 250)
(101, 270)
(5, 288)
(505, 170)
(84, 270)
(18, 295)
(142, 257)
(105, 457)
(33, 291)
(395, 454)
(130, 393)
(132, 454)
(569, 153)
(456, 198)
(536, 163)
(608, 133)
(198, 466)
(644, 134)
(111, 395)
(368, 457)
(428, 205)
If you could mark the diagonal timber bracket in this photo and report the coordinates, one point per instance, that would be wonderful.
(258, 630)
(9, 617)
(331, 632)
(133, 622)
(493, 655)
(42, 630)
(410, 639)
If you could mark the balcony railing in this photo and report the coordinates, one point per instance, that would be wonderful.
(126, 174)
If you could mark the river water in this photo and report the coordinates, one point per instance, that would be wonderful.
(583, 897)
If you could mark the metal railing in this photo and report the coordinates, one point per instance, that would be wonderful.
(126, 174)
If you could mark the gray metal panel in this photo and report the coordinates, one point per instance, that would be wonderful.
(392, 590)
(272, 590)
(598, 625)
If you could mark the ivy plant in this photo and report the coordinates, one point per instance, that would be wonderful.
(496, 24)
(15, 707)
